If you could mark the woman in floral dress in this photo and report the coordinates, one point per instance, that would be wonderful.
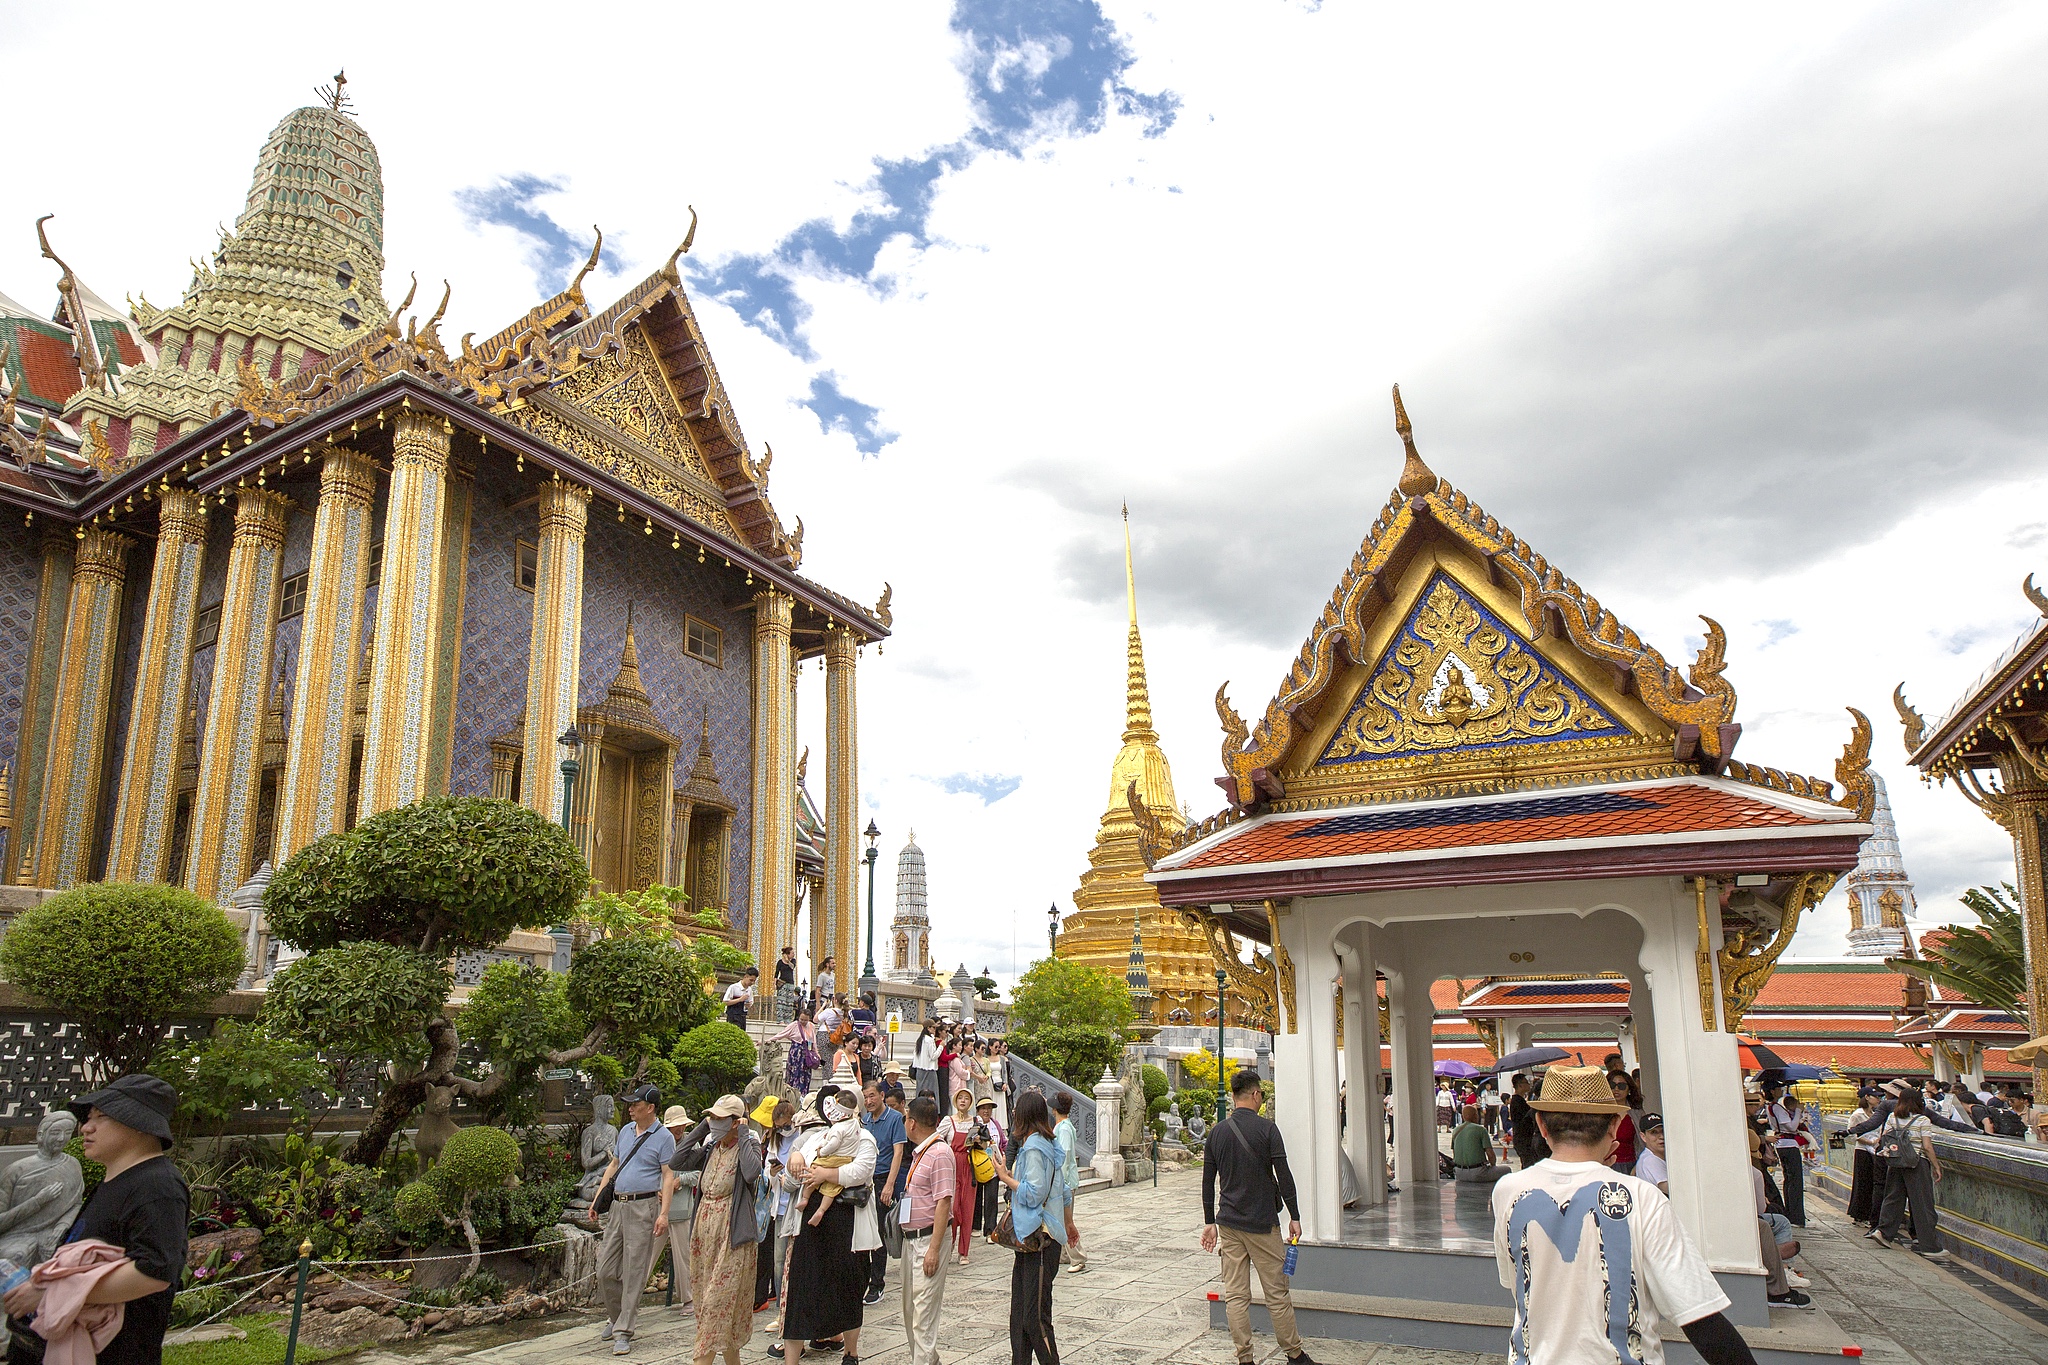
(724, 1239)
(802, 1037)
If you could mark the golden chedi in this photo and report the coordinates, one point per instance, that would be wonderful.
(1113, 891)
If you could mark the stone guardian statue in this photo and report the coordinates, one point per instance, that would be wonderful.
(40, 1195)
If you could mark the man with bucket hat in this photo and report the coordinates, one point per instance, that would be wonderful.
(1567, 1229)
(141, 1206)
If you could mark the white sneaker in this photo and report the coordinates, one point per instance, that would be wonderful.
(622, 1344)
(607, 1333)
(1797, 1280)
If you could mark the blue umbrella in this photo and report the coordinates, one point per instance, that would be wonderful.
(1530, 1056)
(1800, 1071)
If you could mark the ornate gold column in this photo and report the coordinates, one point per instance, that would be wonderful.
(554, 655)
(231, 746)
(842, 802)
(461, 498)
(772, 877)
(2026, 807)
(79, 706)
(38, 697)
(314, 800)
(149, 769)
(396, 765)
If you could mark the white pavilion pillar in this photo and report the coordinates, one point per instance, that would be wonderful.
(1366, 1142)
(1413, 1016)
(1702, 1092)
(1644, 1027)
(1305, 1071)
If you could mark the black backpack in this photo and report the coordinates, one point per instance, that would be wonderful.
(2008, 1123)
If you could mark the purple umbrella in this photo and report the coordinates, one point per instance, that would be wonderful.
(1456, 1068)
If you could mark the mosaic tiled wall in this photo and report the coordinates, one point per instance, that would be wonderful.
(497, 626)
(21, 560)
(134, 605)
(621, 565)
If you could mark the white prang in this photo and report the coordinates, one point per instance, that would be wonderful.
(1879, 884)
(910, 927)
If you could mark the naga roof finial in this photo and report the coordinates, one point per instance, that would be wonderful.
(669, 272)
(1416, 478)
(576, 285)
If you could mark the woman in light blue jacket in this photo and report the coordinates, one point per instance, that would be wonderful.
(1041, 1217)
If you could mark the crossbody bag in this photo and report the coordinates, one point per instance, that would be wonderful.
(1006, 1228)
(607, 1196)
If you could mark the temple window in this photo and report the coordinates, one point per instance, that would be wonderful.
(703, 642)
(294, 599)
(525, 566)
(206, 629)
(376, 575)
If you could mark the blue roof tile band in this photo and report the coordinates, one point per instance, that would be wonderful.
(1536, 808)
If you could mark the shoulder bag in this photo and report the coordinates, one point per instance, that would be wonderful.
(607, 1196)
(1006, 1228)
(1895, 1148)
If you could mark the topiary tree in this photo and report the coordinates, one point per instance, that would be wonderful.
(475, 1160)
(123, 960)
(432, 879)
(714, 1059)
(359, 1005)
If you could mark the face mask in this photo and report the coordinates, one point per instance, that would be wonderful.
(720, 1127)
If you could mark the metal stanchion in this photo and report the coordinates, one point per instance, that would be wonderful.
(291, 1343)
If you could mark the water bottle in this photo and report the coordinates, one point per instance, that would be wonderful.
(1293, 1255)
(12, 1276)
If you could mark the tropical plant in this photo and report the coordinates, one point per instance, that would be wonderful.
(123, 961)
(1057, 991)
(1200, 1068)
(1985, 963)
(238, 1066)
(985, 986)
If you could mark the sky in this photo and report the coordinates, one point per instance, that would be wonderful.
(1731, 311)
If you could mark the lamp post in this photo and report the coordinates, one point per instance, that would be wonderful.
(1052, 928)
(869, 982)
(570, 741)
(1222, 1093)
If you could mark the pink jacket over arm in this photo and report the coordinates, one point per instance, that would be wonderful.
(75, 1329)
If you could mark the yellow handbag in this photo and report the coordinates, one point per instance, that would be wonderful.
(984, 1166)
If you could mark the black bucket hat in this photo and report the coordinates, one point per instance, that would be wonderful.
(142, 1102)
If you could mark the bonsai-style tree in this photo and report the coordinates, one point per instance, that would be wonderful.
(714, 1059)
(475, 1160)
(427, 880)
(123, 960)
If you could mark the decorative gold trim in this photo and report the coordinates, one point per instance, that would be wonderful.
(1747, 960)
(772, 874)
(1852, 770)
(84, 695)
(395, 759)
(1705, 958)
(555, 640)
(38, 696)
(841, 901)
(1283, 962)
(1253, 980)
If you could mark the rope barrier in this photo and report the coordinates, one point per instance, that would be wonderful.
(185, 1331)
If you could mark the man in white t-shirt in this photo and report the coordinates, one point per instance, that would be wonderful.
(739, 995)
(1650, 1165)
(1563, 1228)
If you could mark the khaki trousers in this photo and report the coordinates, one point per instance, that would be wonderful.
(921, 1297)
(625, 1258)
(679, 1259)
(1241, 1251)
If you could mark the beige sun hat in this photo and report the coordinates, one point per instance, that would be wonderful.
(728, 1107)
(675, 1116)
(1577, 1090)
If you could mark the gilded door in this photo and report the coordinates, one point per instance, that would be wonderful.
(611, 854)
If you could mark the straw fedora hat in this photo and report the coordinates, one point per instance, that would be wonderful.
(1577, 1090)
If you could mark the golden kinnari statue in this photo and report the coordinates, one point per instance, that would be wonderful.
(1113, 890)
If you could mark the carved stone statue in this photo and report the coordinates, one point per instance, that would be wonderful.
(40, 1195)
(436, 1124)
(598, 1140)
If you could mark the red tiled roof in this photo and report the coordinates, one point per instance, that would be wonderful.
(43, 360)
(1873, 1059)
(1806, 1026)
(1792, 985)
(1605, 996)
(1657, 809)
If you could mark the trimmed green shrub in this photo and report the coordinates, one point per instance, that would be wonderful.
(1156, 1084)
(124, 960)
(1074, 1053)
(475, 1161)
(360, 1004)
(1057, 992)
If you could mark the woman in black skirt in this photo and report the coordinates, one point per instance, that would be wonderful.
(827, 1277)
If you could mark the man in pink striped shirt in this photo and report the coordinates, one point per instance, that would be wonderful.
(928, 1206)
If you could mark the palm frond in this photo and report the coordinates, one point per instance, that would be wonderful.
(1984, 963)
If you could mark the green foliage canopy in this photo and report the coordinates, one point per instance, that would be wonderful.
(1056, 991)
(479, 1158)
(1075, 1054)
(360, 1004)
(240, 1065)
(124, 960)
(440, 875)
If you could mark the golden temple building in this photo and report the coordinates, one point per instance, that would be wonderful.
(1113, 891)
(278, 558)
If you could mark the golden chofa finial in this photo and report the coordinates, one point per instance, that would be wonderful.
(576, 285)
(669, 272)
(1416, 478)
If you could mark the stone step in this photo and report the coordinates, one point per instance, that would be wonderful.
(1092, 1184)
(1795, 1336)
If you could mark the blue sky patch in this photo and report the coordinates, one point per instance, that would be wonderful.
(989, 789)
(554, 250)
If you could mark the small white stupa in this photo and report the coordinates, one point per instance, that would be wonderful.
(1880, 893)
(910, 927)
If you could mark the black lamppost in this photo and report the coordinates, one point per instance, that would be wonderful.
(869, 982)
(1052, 928)
(570, 741)
(1222, 1081)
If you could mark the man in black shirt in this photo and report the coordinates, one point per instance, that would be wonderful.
(141, 1206)
(1245, 1155)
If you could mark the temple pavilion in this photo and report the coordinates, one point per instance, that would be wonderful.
(278, 557)
(1475, 769)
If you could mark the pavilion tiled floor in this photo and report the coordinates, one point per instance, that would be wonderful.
(1143, 1301)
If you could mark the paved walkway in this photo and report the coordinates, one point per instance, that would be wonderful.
(1143, 1301)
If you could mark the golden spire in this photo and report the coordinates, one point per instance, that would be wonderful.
(1137, 696)
(1416, 478)
(628, 680)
